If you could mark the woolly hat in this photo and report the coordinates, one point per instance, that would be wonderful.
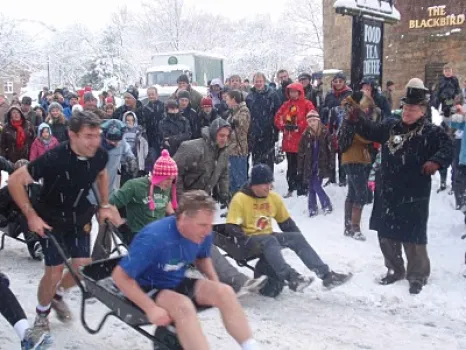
(131, 94)
(339, 75)
(171, 104)
(164, 167)
(57, 106)
(261, 174)
(109, 100)
(26, 100)
(303, 76)
(113, 129)
(183, 94)
(183, 78)
(206, 102)
(313, 115)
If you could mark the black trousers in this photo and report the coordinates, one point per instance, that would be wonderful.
(263, 157)
(292, 171)
(9, 305)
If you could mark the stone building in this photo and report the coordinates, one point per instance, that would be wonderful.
(12, 83)
(429, 35)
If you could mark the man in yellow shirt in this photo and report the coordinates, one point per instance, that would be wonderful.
(250, 219)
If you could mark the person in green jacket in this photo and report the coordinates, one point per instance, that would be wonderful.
(147, 198)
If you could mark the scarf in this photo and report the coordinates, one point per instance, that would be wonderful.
(20, 133)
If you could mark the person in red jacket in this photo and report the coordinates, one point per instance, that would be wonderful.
(44, 141)
(291, 121)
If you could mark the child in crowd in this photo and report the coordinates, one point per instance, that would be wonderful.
(135, 139)
(315, 162)
(44, 141)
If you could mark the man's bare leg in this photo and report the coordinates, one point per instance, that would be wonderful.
(67, 280)
(182, 311)
(223, 297)
(48, 284)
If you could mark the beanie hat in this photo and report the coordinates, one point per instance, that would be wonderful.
(164, 167)
(183, 78)
(183, 94)
(303, 76)
(57, 106)
(72, 95)
(261, 174)
(339, 75)
(206, 102)
(26, 100)
(88, 96)
(130, 95)
(109, 100)
(113, 129)
(313, 115)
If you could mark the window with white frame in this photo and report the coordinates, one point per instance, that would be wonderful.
(8, 87)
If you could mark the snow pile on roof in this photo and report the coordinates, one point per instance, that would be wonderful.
(380, 9)
(187, 53)
(168, 68)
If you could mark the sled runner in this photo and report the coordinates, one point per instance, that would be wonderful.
(97, 283)
(236, 250)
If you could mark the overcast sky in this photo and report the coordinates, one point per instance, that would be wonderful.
(94, 13)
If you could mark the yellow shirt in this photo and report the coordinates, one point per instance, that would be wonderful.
(254, 215)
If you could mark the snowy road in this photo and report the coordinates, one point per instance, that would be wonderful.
(359, 315)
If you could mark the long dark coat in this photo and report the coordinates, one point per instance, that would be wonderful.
(401, 206)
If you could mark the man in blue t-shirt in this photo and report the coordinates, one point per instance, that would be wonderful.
(156, 264)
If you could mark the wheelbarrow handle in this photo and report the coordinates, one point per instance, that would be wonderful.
(53, 239)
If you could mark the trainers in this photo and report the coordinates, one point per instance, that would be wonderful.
(253, 286)
(62, 310)
(415, 287)
(313, 213)
(36, 339)
(348, 233)
(298, 283)
(334, 279)
(327, 210)
(41, 324)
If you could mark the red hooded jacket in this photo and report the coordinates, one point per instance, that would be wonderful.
(291, 118)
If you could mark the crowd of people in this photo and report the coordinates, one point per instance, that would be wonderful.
(156, 172)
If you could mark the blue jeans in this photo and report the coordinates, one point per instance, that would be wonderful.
(238, 172)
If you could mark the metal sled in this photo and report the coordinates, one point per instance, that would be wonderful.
(236, 250)
(97, 283)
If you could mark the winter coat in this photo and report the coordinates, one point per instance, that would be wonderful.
(326, 161)
(39, 147)
(101, 114)
(4, 107)
(152, 114)
(291, 118)
(447, 90)
(329, 111)
(174, 129)
(382, 103)
(202, 121)
(239, 119)
(195, 99)
(120, 111)
(135, 139)
(59, 128)
(8, 147)
(263, 106)
(191, 115)
(458, 122)
(202, 165)
(314, 95)
(401, 210)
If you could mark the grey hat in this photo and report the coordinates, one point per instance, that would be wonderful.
(88, 96)
(183, 94)
(56, 105)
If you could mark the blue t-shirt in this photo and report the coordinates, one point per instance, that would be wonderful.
(159, 255)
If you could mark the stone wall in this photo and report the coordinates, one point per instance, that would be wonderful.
(407, 51)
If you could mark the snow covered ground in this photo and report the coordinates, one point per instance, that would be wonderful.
(358, 315)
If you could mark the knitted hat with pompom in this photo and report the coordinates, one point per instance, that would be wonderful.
(164, 168)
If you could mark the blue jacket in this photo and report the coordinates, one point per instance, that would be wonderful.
(458, 122)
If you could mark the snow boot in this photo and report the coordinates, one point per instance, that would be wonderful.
(348, 212)
(415, 287)
(356, 214)
(36, 339)
(252, 286)
(390, 278)
(334, 279)
(298, 282)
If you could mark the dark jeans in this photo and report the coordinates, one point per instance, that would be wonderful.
(227, 273)
(264, 157)
(9, 305)
(341, 171)
(358, 175)
(460, 185)
(292, 171)
(315, 190)
(418, 268)
(271, 246)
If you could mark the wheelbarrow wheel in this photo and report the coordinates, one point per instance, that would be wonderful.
(274, 285)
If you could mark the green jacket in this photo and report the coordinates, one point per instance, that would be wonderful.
(134, 195)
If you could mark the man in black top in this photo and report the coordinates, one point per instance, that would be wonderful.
(62, 208)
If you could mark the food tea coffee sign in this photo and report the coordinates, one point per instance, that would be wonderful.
(437, 17)
(372, 49)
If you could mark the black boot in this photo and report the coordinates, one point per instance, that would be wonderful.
(334, 279)
(415, 287)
